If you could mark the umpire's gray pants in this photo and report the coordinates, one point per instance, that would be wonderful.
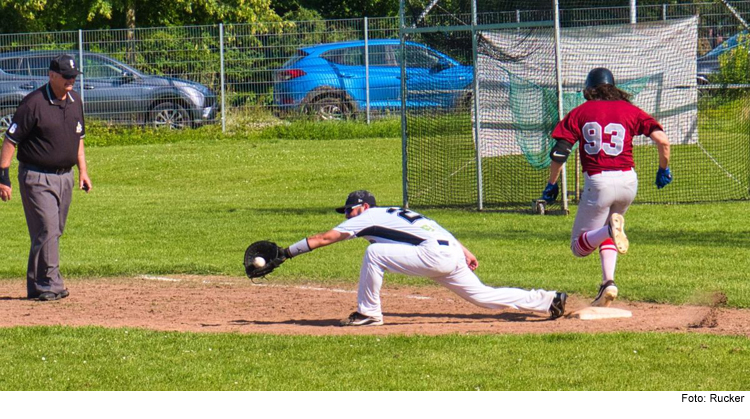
(46, 199)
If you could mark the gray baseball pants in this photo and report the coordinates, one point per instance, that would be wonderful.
(46, 200)
(603, 194)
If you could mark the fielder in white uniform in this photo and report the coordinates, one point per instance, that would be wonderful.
(405, 242)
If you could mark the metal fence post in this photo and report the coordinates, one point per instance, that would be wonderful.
(221, 78)
(477, 137)
(633, 11)
(663, 12)
(402, 52)
(367, 72)
(80, 63)
(560, 109)
(518, 19)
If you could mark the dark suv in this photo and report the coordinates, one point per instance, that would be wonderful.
(112, 91)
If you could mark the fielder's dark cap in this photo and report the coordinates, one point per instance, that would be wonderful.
(599, 76)
(65, 65)
(357, 198)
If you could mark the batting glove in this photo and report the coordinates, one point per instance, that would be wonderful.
(550, 193)
(663, 177)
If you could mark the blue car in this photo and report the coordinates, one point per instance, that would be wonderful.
(329, 81)
(708, 64)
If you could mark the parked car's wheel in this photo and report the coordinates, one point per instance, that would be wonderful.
(170, 115)
(330, 108)
(6, 117)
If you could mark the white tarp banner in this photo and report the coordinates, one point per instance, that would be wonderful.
(656, 62)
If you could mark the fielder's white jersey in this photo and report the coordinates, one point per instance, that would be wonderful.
(394, 225)
(434, 253)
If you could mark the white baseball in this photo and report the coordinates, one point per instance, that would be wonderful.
(259, 262)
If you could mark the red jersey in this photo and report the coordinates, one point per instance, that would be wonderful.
(605, 129)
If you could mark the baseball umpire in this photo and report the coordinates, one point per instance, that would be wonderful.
(48, 130)
(409, 243)
(605, 126)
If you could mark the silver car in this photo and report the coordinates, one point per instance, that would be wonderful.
(112, 91)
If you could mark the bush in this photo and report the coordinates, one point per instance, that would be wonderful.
(735, 64)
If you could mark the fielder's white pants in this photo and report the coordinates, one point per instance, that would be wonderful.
(603, 194)
(445, 265)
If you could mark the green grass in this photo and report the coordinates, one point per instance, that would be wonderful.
(194, 207)
(192, 204)
(268, 128)
(61, 358)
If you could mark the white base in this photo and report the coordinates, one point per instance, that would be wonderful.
(597, 313)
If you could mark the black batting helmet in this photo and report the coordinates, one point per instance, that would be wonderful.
(599, 76)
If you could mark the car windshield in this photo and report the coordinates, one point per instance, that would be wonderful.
(726, 46)
(38, 66)
(295, 58)
(13, 66)
(419, 57)
(96, 67)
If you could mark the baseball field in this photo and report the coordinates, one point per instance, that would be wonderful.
(159, 300)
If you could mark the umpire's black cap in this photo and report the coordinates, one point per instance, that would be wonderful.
(357, 198)
(65, 65)
(599, 76)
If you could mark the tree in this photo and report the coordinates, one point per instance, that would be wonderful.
(340, 9)
(61, 15)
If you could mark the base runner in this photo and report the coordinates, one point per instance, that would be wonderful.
(409, 243)
(605, 126)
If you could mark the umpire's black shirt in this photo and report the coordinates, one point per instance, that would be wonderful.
(47, 130)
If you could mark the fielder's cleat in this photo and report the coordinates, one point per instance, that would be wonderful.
(358, 319)
(557, 308)
(617, 232)
(607, 294)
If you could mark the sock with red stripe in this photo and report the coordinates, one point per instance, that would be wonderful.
(608, 256)
(590, 240)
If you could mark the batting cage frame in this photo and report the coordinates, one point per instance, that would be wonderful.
(476, 120)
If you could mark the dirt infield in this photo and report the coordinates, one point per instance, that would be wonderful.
(223, 304)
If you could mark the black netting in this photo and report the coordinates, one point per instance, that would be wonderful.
(518, 106)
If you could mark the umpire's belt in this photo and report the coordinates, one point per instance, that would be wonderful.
(41, 169)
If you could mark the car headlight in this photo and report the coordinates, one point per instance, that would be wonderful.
(196, 97)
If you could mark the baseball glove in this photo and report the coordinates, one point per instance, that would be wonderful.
(272, 255)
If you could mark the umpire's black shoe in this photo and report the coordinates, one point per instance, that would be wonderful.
(557, 309)
(51, 296)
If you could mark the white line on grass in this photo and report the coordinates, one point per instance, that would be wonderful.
(159, 278)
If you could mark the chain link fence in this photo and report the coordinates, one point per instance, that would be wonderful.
(240, 75)
(491, 149)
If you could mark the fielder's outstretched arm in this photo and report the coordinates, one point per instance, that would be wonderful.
(313, 242)
(324, 239)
